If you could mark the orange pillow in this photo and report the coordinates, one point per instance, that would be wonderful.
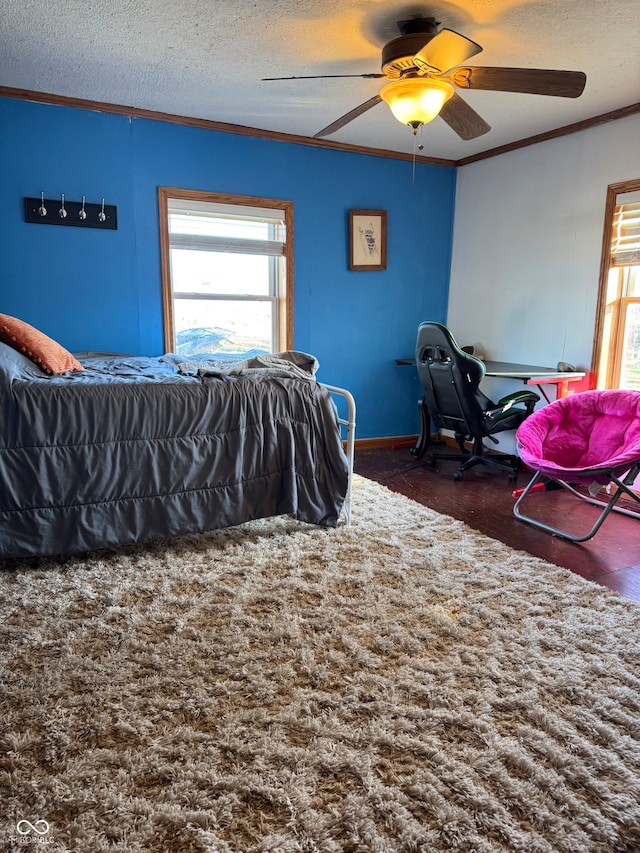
(44, 351)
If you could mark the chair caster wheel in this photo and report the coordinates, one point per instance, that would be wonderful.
(512, 477)
(430, 463)
(458, 475)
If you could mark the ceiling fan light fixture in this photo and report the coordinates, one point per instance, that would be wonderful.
(417, 100)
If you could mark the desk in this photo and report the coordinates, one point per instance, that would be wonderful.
(530, 374)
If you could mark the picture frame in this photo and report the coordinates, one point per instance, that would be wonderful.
(367, 240)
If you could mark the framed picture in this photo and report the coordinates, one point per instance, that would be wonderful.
(367, 239)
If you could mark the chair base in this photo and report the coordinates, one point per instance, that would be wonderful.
(469, 458)
(609, 506)
(477, 456)
(500, 463)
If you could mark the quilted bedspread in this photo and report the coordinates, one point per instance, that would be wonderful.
(130, 449)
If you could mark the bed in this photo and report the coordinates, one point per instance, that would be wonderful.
(132, 449)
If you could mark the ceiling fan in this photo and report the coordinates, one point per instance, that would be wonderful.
(424, 67)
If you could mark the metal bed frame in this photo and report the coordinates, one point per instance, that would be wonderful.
(350, 423)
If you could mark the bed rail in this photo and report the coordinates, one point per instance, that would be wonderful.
(350, 423)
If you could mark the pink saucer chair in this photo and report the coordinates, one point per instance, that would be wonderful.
(590, 439)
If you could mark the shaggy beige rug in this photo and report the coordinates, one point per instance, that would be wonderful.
(402, 684)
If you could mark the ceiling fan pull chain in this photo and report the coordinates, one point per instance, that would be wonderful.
(417, 140)
(413, 164)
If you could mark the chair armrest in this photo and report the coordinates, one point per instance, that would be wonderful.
(523, 397)
(506, 404)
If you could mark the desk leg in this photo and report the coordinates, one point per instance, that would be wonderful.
(562, 388)
(544, 393)
(538, 386)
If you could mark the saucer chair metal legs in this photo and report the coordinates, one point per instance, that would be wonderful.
(590, 439)
(622, 488)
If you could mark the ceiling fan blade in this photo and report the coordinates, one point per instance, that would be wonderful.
(529, 81)
(345, 119)
(462, 119)
(325, 76)
(444, 51)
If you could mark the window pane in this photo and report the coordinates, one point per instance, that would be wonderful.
(225, 226)
(632, 281)
(220, 272)
(606, 350)
(614, 283)
(630, 364)
(222, 326)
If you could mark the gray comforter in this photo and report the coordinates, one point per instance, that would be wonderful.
(131, 449)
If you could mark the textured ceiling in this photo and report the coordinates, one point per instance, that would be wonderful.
(205, 59)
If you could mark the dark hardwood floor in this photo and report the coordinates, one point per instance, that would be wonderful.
(483, 500)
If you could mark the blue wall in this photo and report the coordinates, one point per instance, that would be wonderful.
(98, 290)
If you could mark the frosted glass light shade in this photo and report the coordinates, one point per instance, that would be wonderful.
(416, 101)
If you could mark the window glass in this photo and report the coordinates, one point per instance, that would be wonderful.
(220, 272)
(630, 360)
(222, 326)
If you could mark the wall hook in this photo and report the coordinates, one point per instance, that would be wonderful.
(61, 211)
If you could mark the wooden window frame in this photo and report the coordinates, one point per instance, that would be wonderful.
(285, 298)
(613, 191)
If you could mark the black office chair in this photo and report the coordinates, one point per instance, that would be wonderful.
(452, 400)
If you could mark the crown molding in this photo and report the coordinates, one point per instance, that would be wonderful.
(208, 124)
(614, 115)
(242, 130)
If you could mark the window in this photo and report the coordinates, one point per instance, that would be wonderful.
(226, 272)
(617, 350)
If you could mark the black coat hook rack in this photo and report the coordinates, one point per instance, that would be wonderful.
(81, 214)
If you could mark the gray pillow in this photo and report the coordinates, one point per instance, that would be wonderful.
(14, 363)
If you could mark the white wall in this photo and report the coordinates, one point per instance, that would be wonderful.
(527, 243)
